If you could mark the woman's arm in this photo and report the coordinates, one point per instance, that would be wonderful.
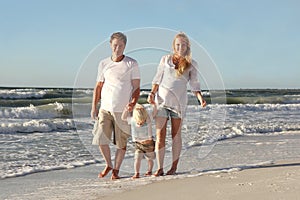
(149, 124)
(152, 94)
(200, 98)
(157, 80)
(154, 112)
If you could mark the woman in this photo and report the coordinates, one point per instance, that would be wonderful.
(170, 88)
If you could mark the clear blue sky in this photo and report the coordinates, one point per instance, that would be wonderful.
(255, 44)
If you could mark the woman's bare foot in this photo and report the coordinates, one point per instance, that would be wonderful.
(114, 174)
(104, 172)
(137, 175)
(172, 171)
(159, 172)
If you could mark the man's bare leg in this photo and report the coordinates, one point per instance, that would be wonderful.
(105, 151)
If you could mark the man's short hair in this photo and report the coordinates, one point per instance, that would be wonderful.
(119, 36)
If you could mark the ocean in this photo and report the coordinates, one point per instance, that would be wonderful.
(48, 129)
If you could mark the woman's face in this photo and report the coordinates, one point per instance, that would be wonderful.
(117, 47)
(180, 46)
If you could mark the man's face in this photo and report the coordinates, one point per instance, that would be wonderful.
(117, 47)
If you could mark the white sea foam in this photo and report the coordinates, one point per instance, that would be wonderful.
(22, 93)
(40, 125)
(25, 170)
(52, 110)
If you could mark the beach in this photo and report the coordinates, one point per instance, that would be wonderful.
(246, 148)
(275, 181)
(254, 167)
(278, 181)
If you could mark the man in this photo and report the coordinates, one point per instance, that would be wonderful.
(118, 87)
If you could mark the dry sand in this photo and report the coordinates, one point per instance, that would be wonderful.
(279, 181)
(276, 181)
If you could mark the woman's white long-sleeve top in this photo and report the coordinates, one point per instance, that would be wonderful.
(172, 91)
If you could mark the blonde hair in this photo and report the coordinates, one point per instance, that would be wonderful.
(182, 63)
(139, 113)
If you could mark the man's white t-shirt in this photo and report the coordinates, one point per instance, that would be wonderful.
(117, 77)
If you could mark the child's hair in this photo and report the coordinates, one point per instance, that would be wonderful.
(139, 113)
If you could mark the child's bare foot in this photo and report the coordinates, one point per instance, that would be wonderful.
(137, 175)
(159, 172)
(114, 174)
(104, 172)
(172, 171)
(148, 173)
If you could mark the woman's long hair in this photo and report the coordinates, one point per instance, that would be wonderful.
(182, 63)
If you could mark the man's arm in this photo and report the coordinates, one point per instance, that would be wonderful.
(124, 114)
(135, 94)
(96, 99)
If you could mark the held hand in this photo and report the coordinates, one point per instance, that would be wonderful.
(129, 107)
(150, 99)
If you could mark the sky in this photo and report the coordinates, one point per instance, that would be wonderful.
(254, 44)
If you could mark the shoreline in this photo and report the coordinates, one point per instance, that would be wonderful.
(278, 181)
(231, 167)
(234, 164)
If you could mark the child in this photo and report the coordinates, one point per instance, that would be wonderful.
(141, 130)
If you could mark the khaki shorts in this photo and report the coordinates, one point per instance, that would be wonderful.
(146, 150)
(108, 125)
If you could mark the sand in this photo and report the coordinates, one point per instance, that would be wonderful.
(274, 181)
(279, 181)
